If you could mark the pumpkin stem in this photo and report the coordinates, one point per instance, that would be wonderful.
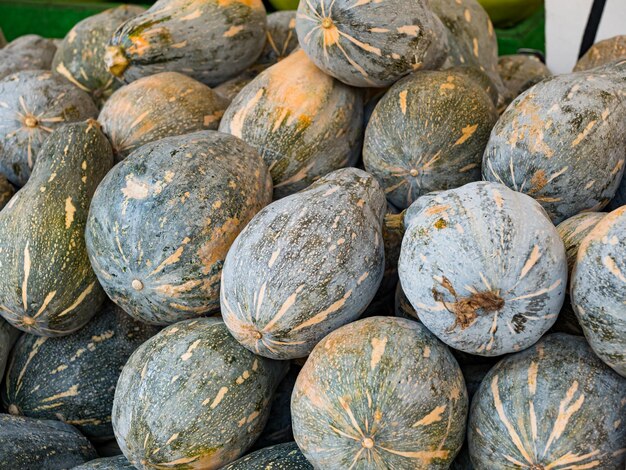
(14, 410)
(31, 121)
(395, 221)
(116, 61)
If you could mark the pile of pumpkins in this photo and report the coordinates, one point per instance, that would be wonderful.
(347, 237)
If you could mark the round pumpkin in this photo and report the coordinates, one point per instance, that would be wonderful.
(279, 457)
(32, 51)
(519, 72)
(107, 463)
(603, 52)
(281, 38)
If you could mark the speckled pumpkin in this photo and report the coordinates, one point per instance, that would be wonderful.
(80, 58)
(209, 40)
(162, 221)
(381, 392)
(475, 73)
(304, 123)
(108, 463)
(484, 268)
(47, 286)
(34, 103)
(33, 51)
(8, 337)
(603, 52)
(162, 105)
(519, 72)
(371, 44)
(305, 265)
(554, 406)
(279, 457)
(192, 397)
(415, 143)
(281, 38)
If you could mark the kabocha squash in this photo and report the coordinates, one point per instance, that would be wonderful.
(32, 51)
(304, 123)
(279, 457)
(480, 77)
(519, 72)
(441, 125)
(192, 397)
(554, 405)
(484, 268)
(162, 221)
(602, 53)
(380, 393)
(33, 104)
(210, 41)
(281, 38)
(47, 285)
(305, 265)
(371, 44)
(8, 337)
(108, 463)
(6, 191)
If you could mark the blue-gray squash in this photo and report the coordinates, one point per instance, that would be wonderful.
(519, 72)
(33, 52)
(603, 52)
(279, 457)
(107, 463)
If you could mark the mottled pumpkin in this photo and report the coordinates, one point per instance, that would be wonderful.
(305, 265)
(279, 457)
(304, 123)
(381, 392)
(33, 104)
(33, 52)
(281, 38)
(6, 191)
(519, 72)
(108, 463)
(475, 73)
(192, 397)
(47, 286)
(484, 268)
(415, 144)
(8, 337)
(159, 106)
(553, 406)
(210, 41)
(603, 52)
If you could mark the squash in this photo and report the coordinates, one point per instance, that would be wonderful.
(603, 52)
(484, 268)
(80, 58)
(415, 144)
(27, 443)
(279, 457)
(554, 405)
(47, 287)
(480, 77)
(34, 103)
(32, 51)
(381, 392)
(162, 105)
(305, 265)
(192, 397)
(281, 38)
(304, 123)
(81, 370)
(8, 337)
(519, 72)
(371, 44)
(210, 41)
(108, 463)
(204, 187)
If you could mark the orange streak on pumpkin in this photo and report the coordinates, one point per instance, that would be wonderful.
(566, 410)
(172, 259)
(215, 249)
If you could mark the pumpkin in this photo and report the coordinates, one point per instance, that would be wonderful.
(80, 58)
(414, 144)
(305, 265)
(279, 457)
(210, 41)
(192, 397)
(304, 123)
(107, 463)
(484, 268)
(47, 285)
(8, 337)
(480, 77)
(6, 191)
(554, 405)
(34, 104)
(603, 52)
(27, 443)
(281, 38)
(371, 44)
(73, 378)
(519, 72)
(33, 52)
(381, 392)
(162, 105)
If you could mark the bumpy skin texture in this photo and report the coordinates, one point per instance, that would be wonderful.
(192, 397)
(554, 405)
(279, 457)
(209, 40)
(47, 287)
(31, 444)
(34, 103)
(73, 378)
(371, 44)
(8, 337)
(281, 38)
(602, 53)
(542, 143)
(380, 393)
(428, 133)
(484, 268)
(305, 265)
(109, 463)
(519, 72)
(304, 123)
(152, 108)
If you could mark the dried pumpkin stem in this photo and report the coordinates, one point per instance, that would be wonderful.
(116, 61)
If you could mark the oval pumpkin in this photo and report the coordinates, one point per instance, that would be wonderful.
(279, 457)
(603, 52)
(107, 463)
(519, 72)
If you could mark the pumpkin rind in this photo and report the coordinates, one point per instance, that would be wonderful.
(279, 457)
(281, 38)
(301, 268)
(108, 463)
(481, 78)
(519, 72)
(33, 52)
(603, 52)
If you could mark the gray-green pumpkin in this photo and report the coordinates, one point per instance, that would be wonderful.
(32, 51)
(603, 52)
(281, 38)
(475, 73)
(279, 457)
(192, 397)
(107, 463)
(519, 72)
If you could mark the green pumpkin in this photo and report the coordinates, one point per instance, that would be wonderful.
(6, 191)
(47, 285)
(519, 72)
(279, 457)
(108, 463)
(480, 77)
(603, 52)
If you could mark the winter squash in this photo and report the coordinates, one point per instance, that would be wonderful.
(305, 265)
(281, 38)
(47, 285)
(6, 191)
(381, 392)
(554, 405)
(33, 104)
(107, 463)
(304, 123)
(428, 147)
(371, 44)
(162, 105)
(210, 41)
(204, 187)
(279, 457)
(603, 52)
(519, 72)
(480, 77)
(484, 268)
(32, 51)
(192, 397)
